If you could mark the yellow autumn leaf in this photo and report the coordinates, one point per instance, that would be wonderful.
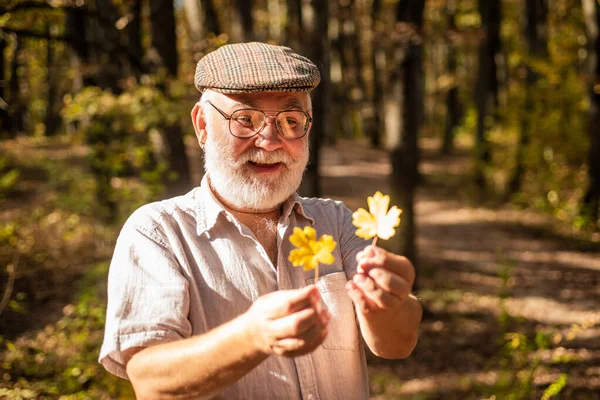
(378, 221)
(310, 252)
(303, 237)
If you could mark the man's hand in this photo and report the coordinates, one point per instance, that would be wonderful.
(388, 314)
(289, 322)
(382, 282)
(286, 322)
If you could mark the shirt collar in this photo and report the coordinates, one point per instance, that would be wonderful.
(294, 203)
(209, 207)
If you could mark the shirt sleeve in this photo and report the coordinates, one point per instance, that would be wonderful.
(148, 296)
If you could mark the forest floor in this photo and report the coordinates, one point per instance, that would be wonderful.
(511, 297)
(492, 280)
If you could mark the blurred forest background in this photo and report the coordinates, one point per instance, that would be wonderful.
(480, 117)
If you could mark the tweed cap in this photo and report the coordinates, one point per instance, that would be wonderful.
(255, 67)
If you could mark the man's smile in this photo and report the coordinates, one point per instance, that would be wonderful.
(265, 167)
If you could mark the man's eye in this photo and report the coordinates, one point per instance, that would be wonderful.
(291, 121)
(245, 120)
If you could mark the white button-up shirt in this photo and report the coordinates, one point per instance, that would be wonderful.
(184, 266)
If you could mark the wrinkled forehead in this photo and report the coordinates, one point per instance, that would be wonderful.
(263, 100)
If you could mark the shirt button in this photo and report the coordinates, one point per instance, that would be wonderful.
(311, 397)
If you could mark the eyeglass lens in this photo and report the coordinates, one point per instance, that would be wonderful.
(246, 123)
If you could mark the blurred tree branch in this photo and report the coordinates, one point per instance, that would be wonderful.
(36, 35)
(11, 269)
(70, 6)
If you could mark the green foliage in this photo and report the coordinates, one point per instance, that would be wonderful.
(137, 110)
(61, 360)
(551, 110)
(520, 350)
(8, 233)
(383, 381)
(122, 132)
(555, 388)
(9, 177)
(54, 240)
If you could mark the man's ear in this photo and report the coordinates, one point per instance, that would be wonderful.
(199, 124)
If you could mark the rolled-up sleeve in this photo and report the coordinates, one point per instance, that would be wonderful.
(148, 296)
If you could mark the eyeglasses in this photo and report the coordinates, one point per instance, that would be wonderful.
(248, 122)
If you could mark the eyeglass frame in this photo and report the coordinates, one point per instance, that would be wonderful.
(229, 118)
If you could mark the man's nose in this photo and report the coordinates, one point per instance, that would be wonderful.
(268, 138)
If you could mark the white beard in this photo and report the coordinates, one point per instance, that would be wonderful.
(241, 187)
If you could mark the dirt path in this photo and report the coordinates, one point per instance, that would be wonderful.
(483, 272)
(475, 264)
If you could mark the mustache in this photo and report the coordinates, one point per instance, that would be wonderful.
(263, 157)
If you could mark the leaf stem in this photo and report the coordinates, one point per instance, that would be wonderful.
(374, 241)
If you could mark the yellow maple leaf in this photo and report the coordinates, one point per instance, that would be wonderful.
(378, 221)
(310, 251)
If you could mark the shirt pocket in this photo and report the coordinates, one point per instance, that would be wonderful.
(343, 331)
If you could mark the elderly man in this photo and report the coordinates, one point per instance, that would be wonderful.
(202, 299)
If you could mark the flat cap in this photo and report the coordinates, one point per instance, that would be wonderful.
(255, 67)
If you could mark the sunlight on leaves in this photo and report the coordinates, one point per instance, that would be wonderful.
(556, 387)
(378, 221)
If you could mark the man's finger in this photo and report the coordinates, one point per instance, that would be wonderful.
(295, 324)
(363, 303)
(390, 282)
(381, 298)
(287, 302)
(357, 297)
(368, 251)
(315, 298)
(382, 259)
(308, 340)
(324, 316)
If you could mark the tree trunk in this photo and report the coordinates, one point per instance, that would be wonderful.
(338, 94)
(178, 161)
(347, 69)
(164, 41)
(405, 155)
(211, 20)
(319, 54)
(96, 42)
(16, 108)
(293, 27)
(453, 105)
(274, 10)
(163, 38)
(3, 99)
(487, 85)
(195, 19)
(202, 18)
(591, 201)
(52, 121)
(377, 61)
(355, 40)
(536, 38)
(110, 58)
(134, 35)
(359, 87)
(76, 22)
(245, 13)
